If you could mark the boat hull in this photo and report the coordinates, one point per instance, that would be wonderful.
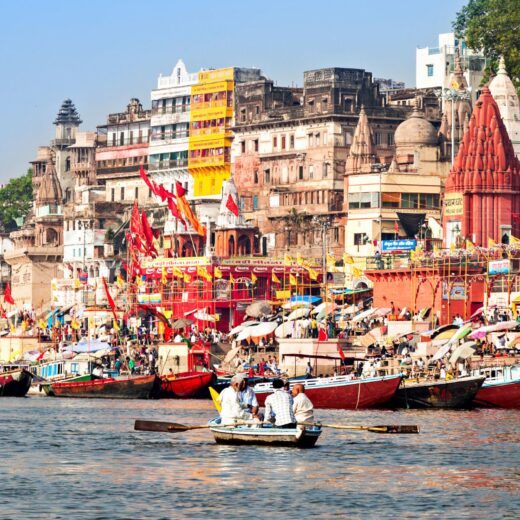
(456, 393)
(341, 394)
(186, 385)
(138, 387)
(499, 395)
(47, 387)
(288, 437)
(15, 383)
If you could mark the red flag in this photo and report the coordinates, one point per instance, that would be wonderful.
(179, 188)
(163, 193)
(186, 210)
(341, 353)
(516, 217)
(41, 355)
(148, 233)
(3, 314)
(8, 297)
(110, 299)
(174, 210)
(231, 205)
(322, 335)
(396, 226)
(151, 184)
(136, 227)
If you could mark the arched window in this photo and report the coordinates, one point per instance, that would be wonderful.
(67, 164)
(231, 246)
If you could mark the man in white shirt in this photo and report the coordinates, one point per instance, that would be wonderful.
(280, 404)
(232, 409)
(248, 397)
(303, 409)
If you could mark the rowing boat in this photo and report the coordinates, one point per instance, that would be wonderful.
(266, 435)
(186, 384)
(15, 383)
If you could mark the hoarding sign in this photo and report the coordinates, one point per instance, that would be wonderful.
(499, 267)
(395, 246)
(453, 204)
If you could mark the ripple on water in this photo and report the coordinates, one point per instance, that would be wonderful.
(81, 459)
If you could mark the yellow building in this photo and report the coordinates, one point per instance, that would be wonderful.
(211, 118)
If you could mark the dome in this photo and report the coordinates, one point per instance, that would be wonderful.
(416, 130)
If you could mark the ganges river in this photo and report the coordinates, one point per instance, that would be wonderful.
(81, 459)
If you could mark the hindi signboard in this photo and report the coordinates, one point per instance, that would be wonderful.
(398, 246)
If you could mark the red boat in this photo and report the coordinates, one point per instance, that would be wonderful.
(15, 383)
(342, 392)
(501, 388)
(186, 384)
(132, 387)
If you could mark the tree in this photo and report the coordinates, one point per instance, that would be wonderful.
(492, 26)
(15, 201)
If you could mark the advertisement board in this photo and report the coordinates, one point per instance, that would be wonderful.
(398, 246)
(453, 204)
(499, 267)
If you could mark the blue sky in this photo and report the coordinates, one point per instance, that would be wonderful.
(102, 53)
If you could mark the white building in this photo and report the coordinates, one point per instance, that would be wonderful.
(434, 65)
(169, 128)
(504, 93)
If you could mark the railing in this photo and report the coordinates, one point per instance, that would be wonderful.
(172, 109)
(169, 136)
(164, 165)
(124, 142)
(120, 169)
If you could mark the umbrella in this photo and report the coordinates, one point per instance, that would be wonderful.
(284, 330)
(85, 346)
(262, 329)
(324, 307)
(362, 315)
(231, 354)
(302, 312)
(295, 304)
(181, 323)
(241, 327)
(204, 316)
(464, 351)
(481, 332)
(257, 309)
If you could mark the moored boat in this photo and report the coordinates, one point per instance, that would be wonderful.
(454, 393)
(15, 383)
(186, 384)
(47, 386)
(130, 387)
(266, 435)
(501, 389)
(342, 392)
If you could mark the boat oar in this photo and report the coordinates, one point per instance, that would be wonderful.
(388, 428)
(161, 426)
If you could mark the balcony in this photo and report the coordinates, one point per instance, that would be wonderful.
(168, 137)
(124, 142)
(166, 165)
(134, 168)
(172, 109)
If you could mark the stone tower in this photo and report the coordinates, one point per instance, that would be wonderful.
(483, 187)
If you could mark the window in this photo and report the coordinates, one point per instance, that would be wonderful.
(300, 173)
(335, 234)
(347, 103)
(325, 170)
(429, 201)
(325, 138)
(122, 193)
(255, 177)
(136, 194)
(283, 142)
(121, 139)
(267, 176)
(311, 105)
(291, 142)
(311, 172)
(391, 200)
(113, 195)
(275, 143)
(114, 139)
(363, 200)
(409, 200)
(257, 109)
(360, 239)
(255, 145)
(377, 138)
(255, 202)
(429, 70)
(150, 193)
(317, 140)
(243, 147)
(390, 139)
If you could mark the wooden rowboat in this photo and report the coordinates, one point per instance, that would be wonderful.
(501, 389)
(15, 383)
(342, 392)
(265, 435)
(132, 387)
(186, 384)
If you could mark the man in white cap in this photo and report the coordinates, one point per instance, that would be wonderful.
(232, 409)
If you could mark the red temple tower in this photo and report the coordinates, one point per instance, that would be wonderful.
(483, 187)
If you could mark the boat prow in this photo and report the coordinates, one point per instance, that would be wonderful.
(265, 435)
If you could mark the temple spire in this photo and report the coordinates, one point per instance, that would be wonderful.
(362, 150)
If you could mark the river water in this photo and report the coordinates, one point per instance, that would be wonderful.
(81, 459)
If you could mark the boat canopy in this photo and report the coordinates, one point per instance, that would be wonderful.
(306, 298)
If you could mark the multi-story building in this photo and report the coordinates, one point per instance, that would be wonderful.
(121, 149)
(169, 128)
(290, 152)
(434, 65)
